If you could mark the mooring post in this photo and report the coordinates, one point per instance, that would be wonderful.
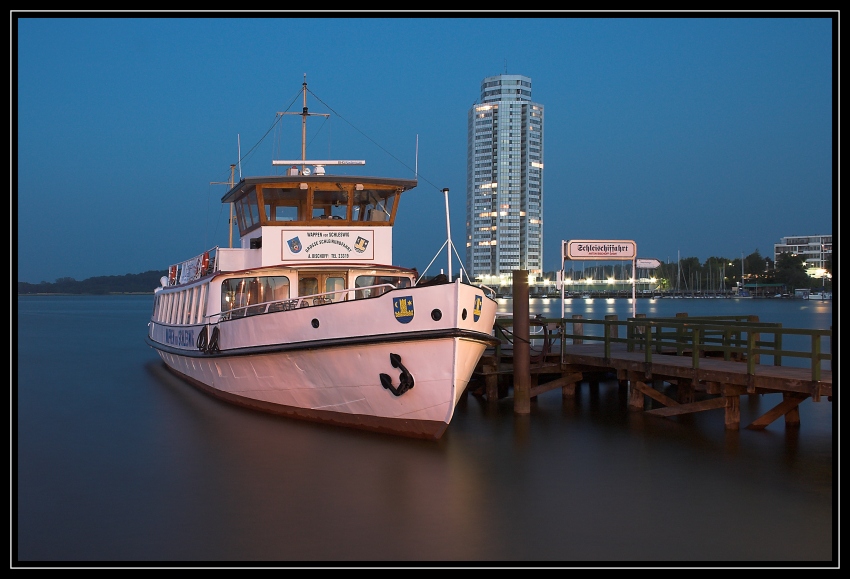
(638, 336)
(578, 329)
(522, 347)
(756, 357)
(615, 328)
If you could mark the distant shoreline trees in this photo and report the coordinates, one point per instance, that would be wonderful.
(102, 285)
(716, 272)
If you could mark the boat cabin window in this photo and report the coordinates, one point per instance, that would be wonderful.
(330, 204)
(334, 284)
(373, 205)
(283, 204)
(242, 292)
(310, 284)
(373, 280)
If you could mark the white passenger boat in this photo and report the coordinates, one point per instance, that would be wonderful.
(308, 319)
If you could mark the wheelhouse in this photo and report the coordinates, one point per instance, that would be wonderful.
(297, 200)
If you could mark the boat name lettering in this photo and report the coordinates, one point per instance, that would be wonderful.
(329, 234)
(179, 337)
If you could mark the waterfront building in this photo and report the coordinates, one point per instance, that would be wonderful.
(504, 181)
(816, 250)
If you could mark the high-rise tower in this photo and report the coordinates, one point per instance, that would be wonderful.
(504, 180)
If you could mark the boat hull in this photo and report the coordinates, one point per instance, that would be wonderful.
(370, 364)
(343, 386)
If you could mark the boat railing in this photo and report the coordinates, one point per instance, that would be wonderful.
(195, 268)
(297, 302)
(488, 289)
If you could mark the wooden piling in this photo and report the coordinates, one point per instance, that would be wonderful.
(754, 319)
(522, 346)
(615, 333)
(578, 329)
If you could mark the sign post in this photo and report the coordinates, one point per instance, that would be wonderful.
(647, 263)
(650, 263)
(616, 249)
(563, 281)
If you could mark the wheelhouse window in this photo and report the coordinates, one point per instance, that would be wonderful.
(283, 204)
(247, 212)
(330, 204)
(373, 205)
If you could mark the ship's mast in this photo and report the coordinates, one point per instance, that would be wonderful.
(231, 183)
(320, 164)
(304, 114)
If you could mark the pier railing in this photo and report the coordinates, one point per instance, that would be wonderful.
(730, 337)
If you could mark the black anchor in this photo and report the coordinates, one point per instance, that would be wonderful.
(405, 378)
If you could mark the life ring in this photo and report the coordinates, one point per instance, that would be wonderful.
(172, 275)
(202, 340)
(205, 262)
(213, 346)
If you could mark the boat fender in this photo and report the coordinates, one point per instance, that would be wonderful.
(213, 346)
(202, 340)
(405, 378)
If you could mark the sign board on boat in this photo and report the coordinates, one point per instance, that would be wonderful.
(647, 263)
(617, 249)
(323, 244)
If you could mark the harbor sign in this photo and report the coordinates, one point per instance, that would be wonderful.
(650, 263)
(617, 249)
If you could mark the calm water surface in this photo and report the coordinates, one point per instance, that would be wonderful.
(116, 460)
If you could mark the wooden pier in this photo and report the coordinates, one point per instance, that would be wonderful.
(722, 358)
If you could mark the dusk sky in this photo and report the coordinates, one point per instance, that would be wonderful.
(694, 136)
